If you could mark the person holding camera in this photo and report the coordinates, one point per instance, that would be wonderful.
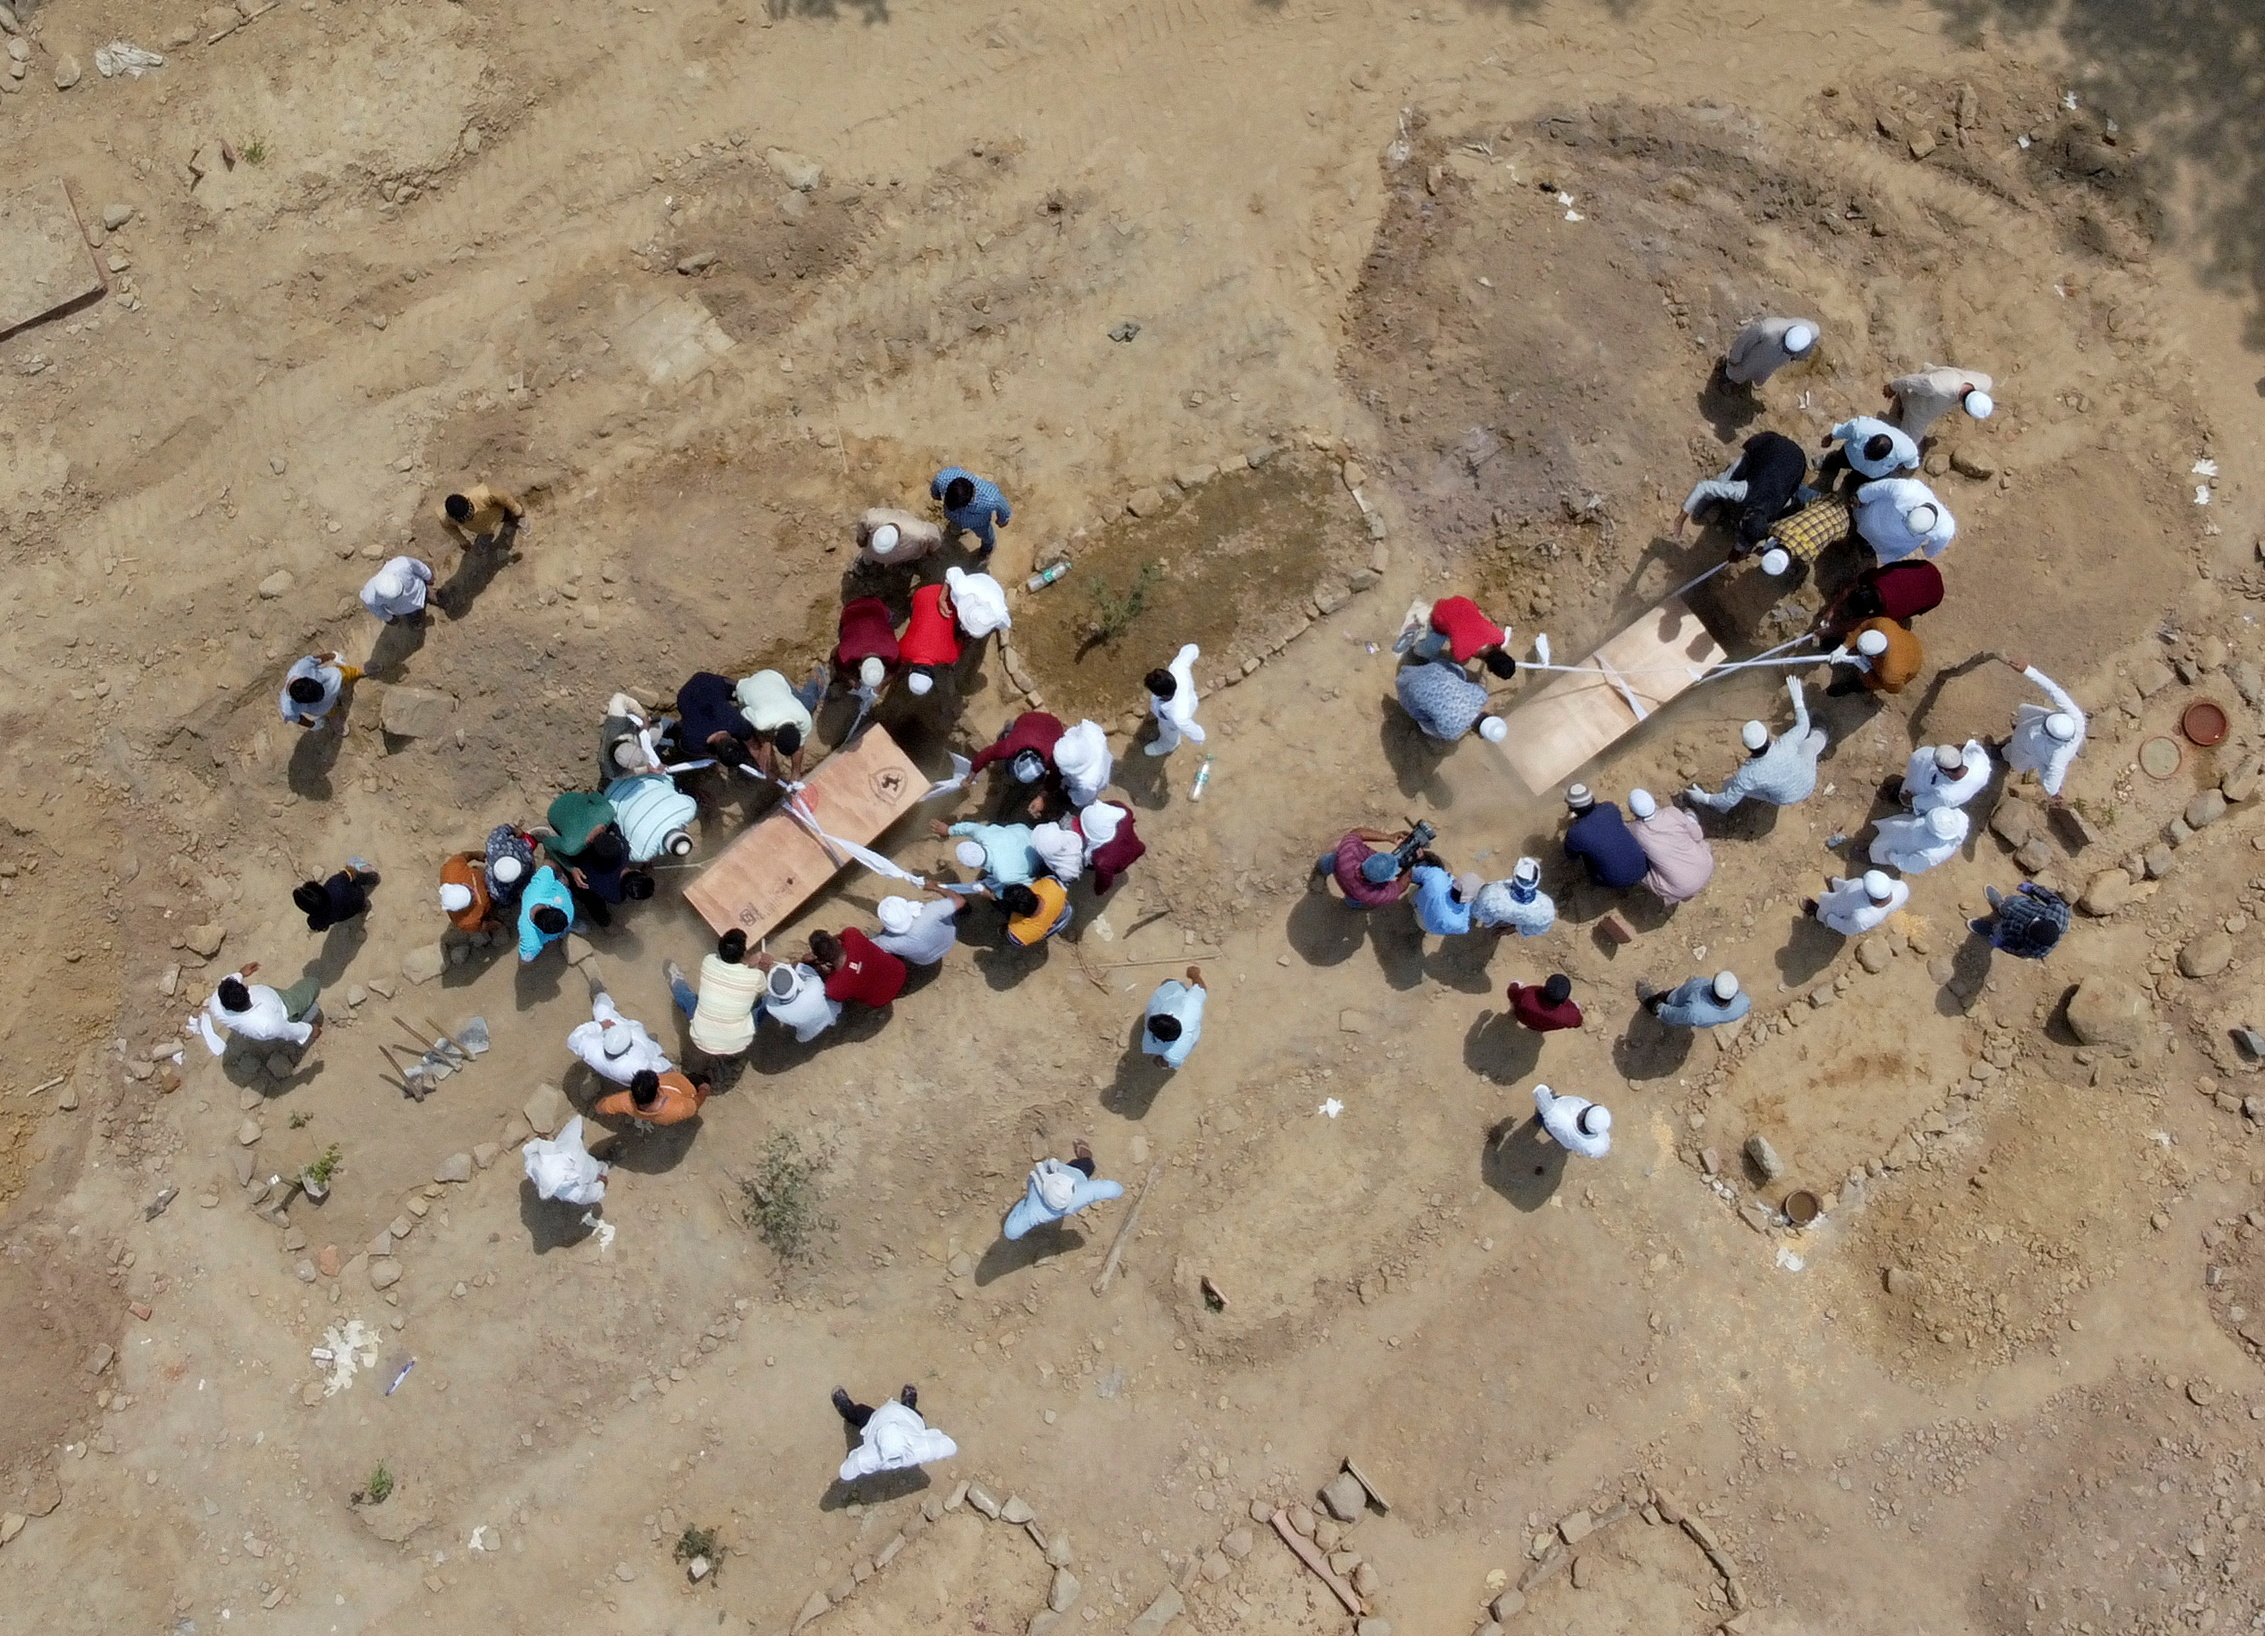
(1368, 878)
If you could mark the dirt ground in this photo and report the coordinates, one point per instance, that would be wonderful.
(1288, 314)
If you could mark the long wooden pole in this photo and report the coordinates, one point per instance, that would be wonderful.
(1125, 1232)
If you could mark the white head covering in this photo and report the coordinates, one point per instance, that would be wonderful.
(1640, 803)
(629, 755)
(1578, 798)
(390, 582)
(970, 855)
(1775, 561)
(980, 602)
(507, 869)
(1493, 729)
(1062, 850)
(897, 915)
(891, 1441)
(883, 540)
(615, 1040)
(1979, 404)
(1753, 735)
(1726, 985)
(1528, 873)
(1950, 758)
(919, 681)
(1872, 644)
(1923, 518)
(785, 982)
(1947, 823)
(1055, 1188)
(1594, 1120)
(1100, 822)
(1800, 338)
(2061, 725)
(1877, 886)
(455, 898)
(1082, 757)
(871, 671)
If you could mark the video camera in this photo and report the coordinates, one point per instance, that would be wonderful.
(1418, 842)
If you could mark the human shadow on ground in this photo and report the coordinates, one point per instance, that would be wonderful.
(653, 1152)
(1522, 1163)
(550, 1223)
(878, 1489)
(1140, 1078)
(1460, 962)
(1969, 970)
(476, 566)
(1041, 1243)
(1726, 406)
(1650, 1049)
(1414, 758)
(397, 641)
(1498, 1047)
(1323, 929)
(1810, 946)
(312, 759)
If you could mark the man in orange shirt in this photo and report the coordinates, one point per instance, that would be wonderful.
(1887, 658)
(464, 892)
(655, 1099)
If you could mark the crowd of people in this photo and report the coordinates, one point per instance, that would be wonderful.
(1865, 494)
(1052, 823)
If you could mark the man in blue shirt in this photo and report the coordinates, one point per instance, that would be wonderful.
(1444, 701)
(1700, 1002)
(971, 503)
(1443, 901)
(1175, 1019)
(1601, 839)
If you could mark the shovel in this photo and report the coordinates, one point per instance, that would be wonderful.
(472, 1039)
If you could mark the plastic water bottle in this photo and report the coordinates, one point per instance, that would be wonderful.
(1202, 777)
(1039, 581)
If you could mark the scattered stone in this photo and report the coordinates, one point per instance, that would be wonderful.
(2205, 809)
(1145, 502)
(1344, 1496)
(1372, 1627)
(1063, 1592)
(1508, 1605)
(66, 73)
(249, 1132)
(2207, 955)
(1585, 1566)
(2150, 678)
(1575, 1526)
(2109, 891)
(416, 712)
(294, 1241)
(485, 1154)
(1059, 1554)
(796, 171)
(115, 216)
(2014, 822)
(1764, 1158)
(424, 962)
(206, 939)
(2241, 783)
(2033, 855)
(1016, 1510)
(2159, 860)
(2107, 1010)
(1900, 1281)
(99, 1359)
(1968, 463)
(385, 1272)
(1168, 1606)
(277, 584)
(457, 1167)
(1301, 1520)
(547, 1110)
(1365, 1578)
(812, 1609)
(1872, 954)
(983, 1500)
(327, 1261)
(12, 1524)
(1352, 1022)
(303, 1270)
(241, 1160)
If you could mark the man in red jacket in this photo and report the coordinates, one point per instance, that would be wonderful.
(931, 641)
(1545, 1008)
(868, 631)
(1033, 730)
(857, 968)
(1461, 632)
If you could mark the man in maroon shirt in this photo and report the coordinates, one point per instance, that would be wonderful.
(857, 968)
(1900, 591)
(868, 631)
(1033, 730)
(1111, 846)
(1545, 1008)
(1369, 878)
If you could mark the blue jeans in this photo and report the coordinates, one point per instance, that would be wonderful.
(982, 531)
(1432, 645)
(686, 1001)
(810, 692)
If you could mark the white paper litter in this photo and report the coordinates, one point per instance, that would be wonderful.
(2201, 494)
(2205, 468)
(1330, 1109)
(352, 1346)
(1788, 1260)
(120, 57)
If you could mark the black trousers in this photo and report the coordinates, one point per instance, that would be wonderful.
(858, 1413)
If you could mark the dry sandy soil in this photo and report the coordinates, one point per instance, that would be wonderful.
(702, 280)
